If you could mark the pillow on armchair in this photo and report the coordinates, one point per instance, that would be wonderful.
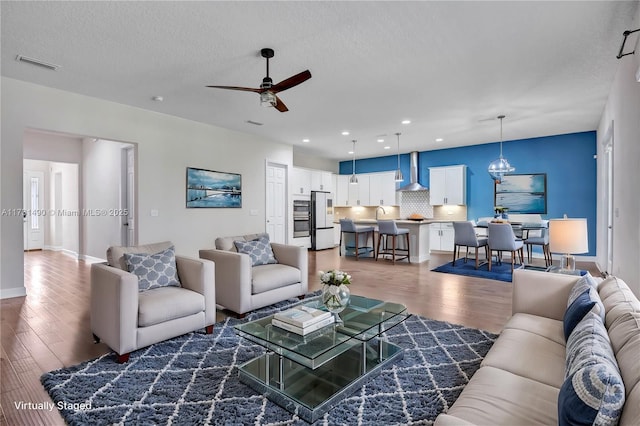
(259, 250)
(153, 270)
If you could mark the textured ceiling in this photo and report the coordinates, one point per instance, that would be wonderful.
(446, 66)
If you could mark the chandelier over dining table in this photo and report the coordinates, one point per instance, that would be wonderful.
(500, 166)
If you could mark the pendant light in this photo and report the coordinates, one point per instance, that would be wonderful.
(353, 179)
(500, 166)
(399, 177)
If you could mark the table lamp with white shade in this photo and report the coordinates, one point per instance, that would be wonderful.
(568, 236)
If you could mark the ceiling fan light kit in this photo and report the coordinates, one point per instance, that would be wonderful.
(500, 166)
(268, 90)
(268, 99)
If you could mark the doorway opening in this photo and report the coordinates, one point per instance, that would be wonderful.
(86, 189)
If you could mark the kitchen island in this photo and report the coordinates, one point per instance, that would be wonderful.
(418, 235)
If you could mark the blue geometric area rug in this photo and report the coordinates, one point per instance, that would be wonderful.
(193, 379)
(499, 271)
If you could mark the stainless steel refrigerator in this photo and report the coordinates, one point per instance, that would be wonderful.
(321, 220)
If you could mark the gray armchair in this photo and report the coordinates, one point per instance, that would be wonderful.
(465, 236)
(242, 287)
(502, 238)
(126, 319)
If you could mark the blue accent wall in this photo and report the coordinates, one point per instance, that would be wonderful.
(568, 160)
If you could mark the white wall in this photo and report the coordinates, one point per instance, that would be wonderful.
(101, 191)
(166, 146)
(52, 147)
(301, 159)
(623, 108)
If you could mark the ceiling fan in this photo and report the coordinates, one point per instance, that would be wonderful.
(267, 89)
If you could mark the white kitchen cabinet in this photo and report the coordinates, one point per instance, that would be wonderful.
(441, 236)
(321, 181)
(448, 185)
(341, 197)
(372, 189)
(359, 193)
(382, 189)
(301, 181)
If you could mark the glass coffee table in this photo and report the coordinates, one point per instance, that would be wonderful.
(308, 375)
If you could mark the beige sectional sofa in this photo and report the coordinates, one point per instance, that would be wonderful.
(519, 380)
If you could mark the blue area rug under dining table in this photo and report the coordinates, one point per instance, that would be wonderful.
(499, 271)
(193, 379)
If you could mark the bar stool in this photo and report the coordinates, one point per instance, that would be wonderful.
(348, 227)
(386, 229)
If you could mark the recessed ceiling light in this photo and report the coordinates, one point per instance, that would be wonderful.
(387, 147)
(345, 133)
(305, 140)
(350, 152)
(406, 121)
(380, 140)
(158, 98)
(439, 140)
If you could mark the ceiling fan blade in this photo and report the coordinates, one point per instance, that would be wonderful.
(280, 106)
(291, 81)
(244, 89)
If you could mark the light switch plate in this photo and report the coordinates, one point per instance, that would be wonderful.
(154, 213)
(254, 212)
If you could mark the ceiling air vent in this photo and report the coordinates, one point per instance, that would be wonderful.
(37, 62)
(255, 123)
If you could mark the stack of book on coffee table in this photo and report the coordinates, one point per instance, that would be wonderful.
(302, 319)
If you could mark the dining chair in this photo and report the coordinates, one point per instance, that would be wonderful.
(386, 229)
(502, 238)
(539, 240)
(465, 236)
(359, 233)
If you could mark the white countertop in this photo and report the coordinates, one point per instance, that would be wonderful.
(399, 221)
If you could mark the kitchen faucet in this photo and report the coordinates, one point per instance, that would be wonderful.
(383, 211)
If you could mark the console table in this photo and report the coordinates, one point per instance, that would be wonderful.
(311, 374)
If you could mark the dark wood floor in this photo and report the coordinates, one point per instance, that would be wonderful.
(49, 329)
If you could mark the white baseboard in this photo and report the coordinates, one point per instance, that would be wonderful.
(91, 259)
(75, 255)
(13, 292)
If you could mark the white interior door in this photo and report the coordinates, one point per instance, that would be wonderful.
(34, 212)
(276, 202)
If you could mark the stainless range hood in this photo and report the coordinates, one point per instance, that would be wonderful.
(414, 185)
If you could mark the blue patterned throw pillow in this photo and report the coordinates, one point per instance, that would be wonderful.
(586, 282)
(588, 344)
(259, 250)
(576, 311)
(153, 270)
(593, 395)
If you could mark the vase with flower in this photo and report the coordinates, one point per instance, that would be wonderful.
(335, 293)
(501, 212)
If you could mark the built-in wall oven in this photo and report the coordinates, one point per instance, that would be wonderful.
(301, 218)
